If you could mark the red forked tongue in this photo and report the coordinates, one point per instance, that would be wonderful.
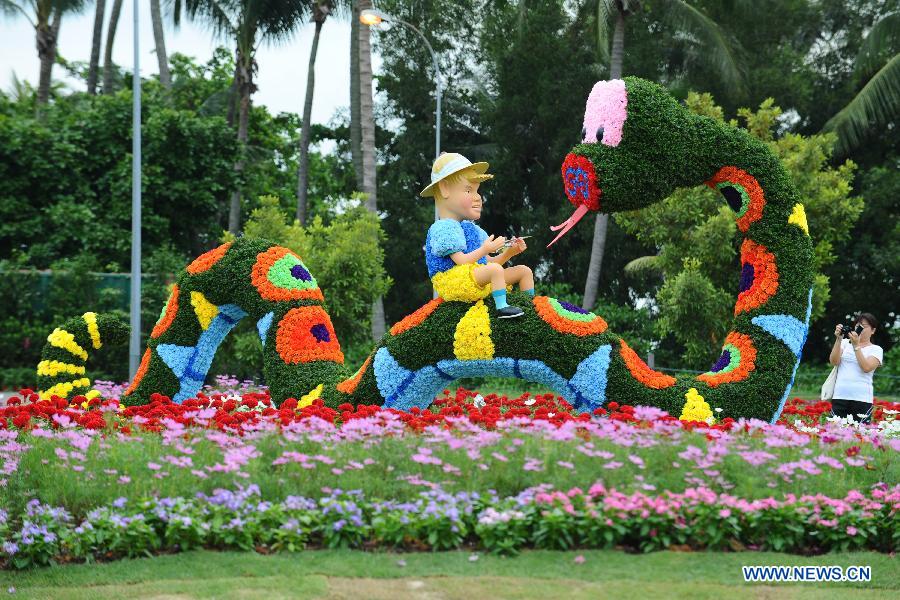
(568, 223)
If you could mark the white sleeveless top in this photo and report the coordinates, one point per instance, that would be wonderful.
(852, 382)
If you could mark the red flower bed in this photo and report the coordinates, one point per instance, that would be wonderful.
(232, 412)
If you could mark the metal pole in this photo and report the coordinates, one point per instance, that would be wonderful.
(134, 345)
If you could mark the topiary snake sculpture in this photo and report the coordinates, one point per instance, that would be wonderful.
(638, 145)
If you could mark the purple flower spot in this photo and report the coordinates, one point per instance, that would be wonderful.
(573, 308)
(723, 362)
(320, 332)
(300, 273)
(747, 274)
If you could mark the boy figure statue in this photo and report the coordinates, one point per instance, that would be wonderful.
(456, 249)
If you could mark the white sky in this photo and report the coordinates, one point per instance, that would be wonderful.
(282, 69)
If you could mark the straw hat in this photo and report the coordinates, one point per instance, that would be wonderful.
(449, 163)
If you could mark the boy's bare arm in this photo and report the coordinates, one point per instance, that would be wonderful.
(491, 244)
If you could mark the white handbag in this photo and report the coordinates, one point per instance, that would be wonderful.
(828, 386)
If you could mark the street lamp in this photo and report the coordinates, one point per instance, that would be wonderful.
(373, 17)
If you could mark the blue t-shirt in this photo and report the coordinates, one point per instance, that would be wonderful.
(448, 236)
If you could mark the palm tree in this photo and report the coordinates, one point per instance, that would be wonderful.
(159, 40)
(355, 130)
(367, 144)
(681, 16)
(878, 102)
(108, 66)
(247, 23)
(45, 18)
(96, 40)
(321, 10)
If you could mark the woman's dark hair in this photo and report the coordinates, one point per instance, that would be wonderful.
(868, 318)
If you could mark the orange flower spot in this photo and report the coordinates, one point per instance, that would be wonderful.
(305, 334)
(205, 261)
(641, 371)
(348, 386)
(747, 362)
(142, 370)
(754, 192)
(168, 314)
(759, 277)
(567, 318)
(414, 319)
(279, 275)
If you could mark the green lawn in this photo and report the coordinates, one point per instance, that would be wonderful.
(361, 575)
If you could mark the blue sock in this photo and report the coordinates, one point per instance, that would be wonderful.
(500, 299)
(530, 291)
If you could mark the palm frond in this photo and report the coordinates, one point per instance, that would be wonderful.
(717, 49)
(12, 8)
(878, 103)
(882, 41)
(643, 264)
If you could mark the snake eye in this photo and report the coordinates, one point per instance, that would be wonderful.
(600, 134)
(583, 133)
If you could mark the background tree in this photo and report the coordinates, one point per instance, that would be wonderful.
(321, 10)
(108, 66)
(878, 102)
(159, 41)
(246, 23)
(96, 40)
(45, 16)
(367, 146)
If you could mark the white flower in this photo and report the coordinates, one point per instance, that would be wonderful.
(718, 409)
(473, 557)
(479, 401)
(530, 402)
(551, 415)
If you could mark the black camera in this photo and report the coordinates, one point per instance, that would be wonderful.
(846, 329)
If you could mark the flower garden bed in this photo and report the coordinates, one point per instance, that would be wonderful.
(92, 479)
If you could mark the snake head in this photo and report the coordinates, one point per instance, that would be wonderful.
(616, 166)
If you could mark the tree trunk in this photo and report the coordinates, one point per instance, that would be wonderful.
(233, 96)
(355, 131)
(160, 40)
(96, 40)
(245, 90)
(303, 167)
(602, 220)
(110, 39)
(47, 34)
(367, 129)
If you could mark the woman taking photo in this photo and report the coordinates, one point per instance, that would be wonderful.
(856, 359)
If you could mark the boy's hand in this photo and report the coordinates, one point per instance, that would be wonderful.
(517, 246)
(492, 244)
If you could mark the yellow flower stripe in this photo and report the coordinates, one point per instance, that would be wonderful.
(91, 320)
(60, 338)
(52, 368)
(696, 408)
(205, 310)
(64, 389)
(472, 339)
(314, 394)
(798, 218)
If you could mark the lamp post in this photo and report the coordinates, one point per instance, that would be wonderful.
(373, 17)
(134, 343)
